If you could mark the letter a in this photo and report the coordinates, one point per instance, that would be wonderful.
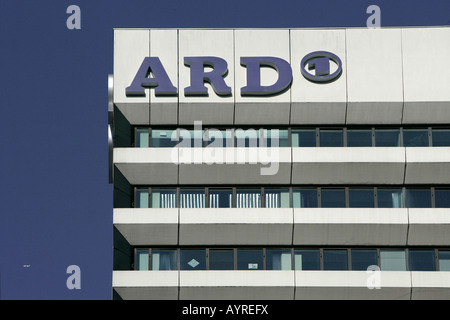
(74, 21)
(374, 21)
(74, 280)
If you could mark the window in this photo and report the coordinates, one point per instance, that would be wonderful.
(247, 138)
(335, 259)
(359, 138)
(248, 198)
(220, 198)
(415, 137)
(444, 260)
(142, 198)
(164, 198)
(164, 259)
(418, 198)
(220, 259)
(331, 138)
(307, 259)
(142, 138)
(333, 198)
(361, 198)
(390, 198)
(387, 137)
(193, 259)
(164, 138)
(362, 258)
(142, 258)
(276, 198)
(442, 198)
(278, 259)
(192, 198)
(304, 198)
(303, 138)
(441, 137)
(392, 260)
(422, 260)
(250, 259)
(276, 138)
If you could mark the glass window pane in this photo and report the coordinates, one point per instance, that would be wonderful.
(442, 198)
(142, 198)
(441, 137)
(393, 260)
(220, 198)
(415, 137)
(192, 198)
(165, 259)
(361, 198)
(278, 259)
(359, 138)
(422, 260)
(276, 198)
(304, 198)
(335, 260)
(193, 259)
(307, 259)
(362, 258)
(219, 138)
(221, 259)
(250, 259)
(444, 260)
(142, 259)
(390, 198)
(276, 138)
(164, 138)
(248, 198)
(164, 198)
(247, 138)
(303, 138)
(142, 138)
(331, 138)
(418, 198)
(333, 198)
(387, 137)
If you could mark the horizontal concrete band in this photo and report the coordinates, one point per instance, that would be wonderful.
(284, 285)
(284, 227)
(324, 165)
(386, 77)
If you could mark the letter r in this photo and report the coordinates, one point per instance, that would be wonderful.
(214, 77)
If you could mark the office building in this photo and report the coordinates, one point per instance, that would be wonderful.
(281, 163)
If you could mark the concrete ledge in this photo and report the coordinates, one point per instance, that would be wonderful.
(430, 285)
(425, 165)
(146, 285)
(237, 285)
(352, 285)
(235, 165)
(147, 226)
(350, 226)
(234, 226)
(362, 165)
(429, 226)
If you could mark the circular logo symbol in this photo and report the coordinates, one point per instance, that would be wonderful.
(320, 62)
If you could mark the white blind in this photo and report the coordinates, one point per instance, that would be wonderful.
(192, 200)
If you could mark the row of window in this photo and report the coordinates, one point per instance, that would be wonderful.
(292, 197)
(389, 259)
(312, 137)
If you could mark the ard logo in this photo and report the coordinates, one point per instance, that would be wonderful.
(151, 74)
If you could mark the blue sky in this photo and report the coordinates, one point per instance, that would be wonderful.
(56, 203)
